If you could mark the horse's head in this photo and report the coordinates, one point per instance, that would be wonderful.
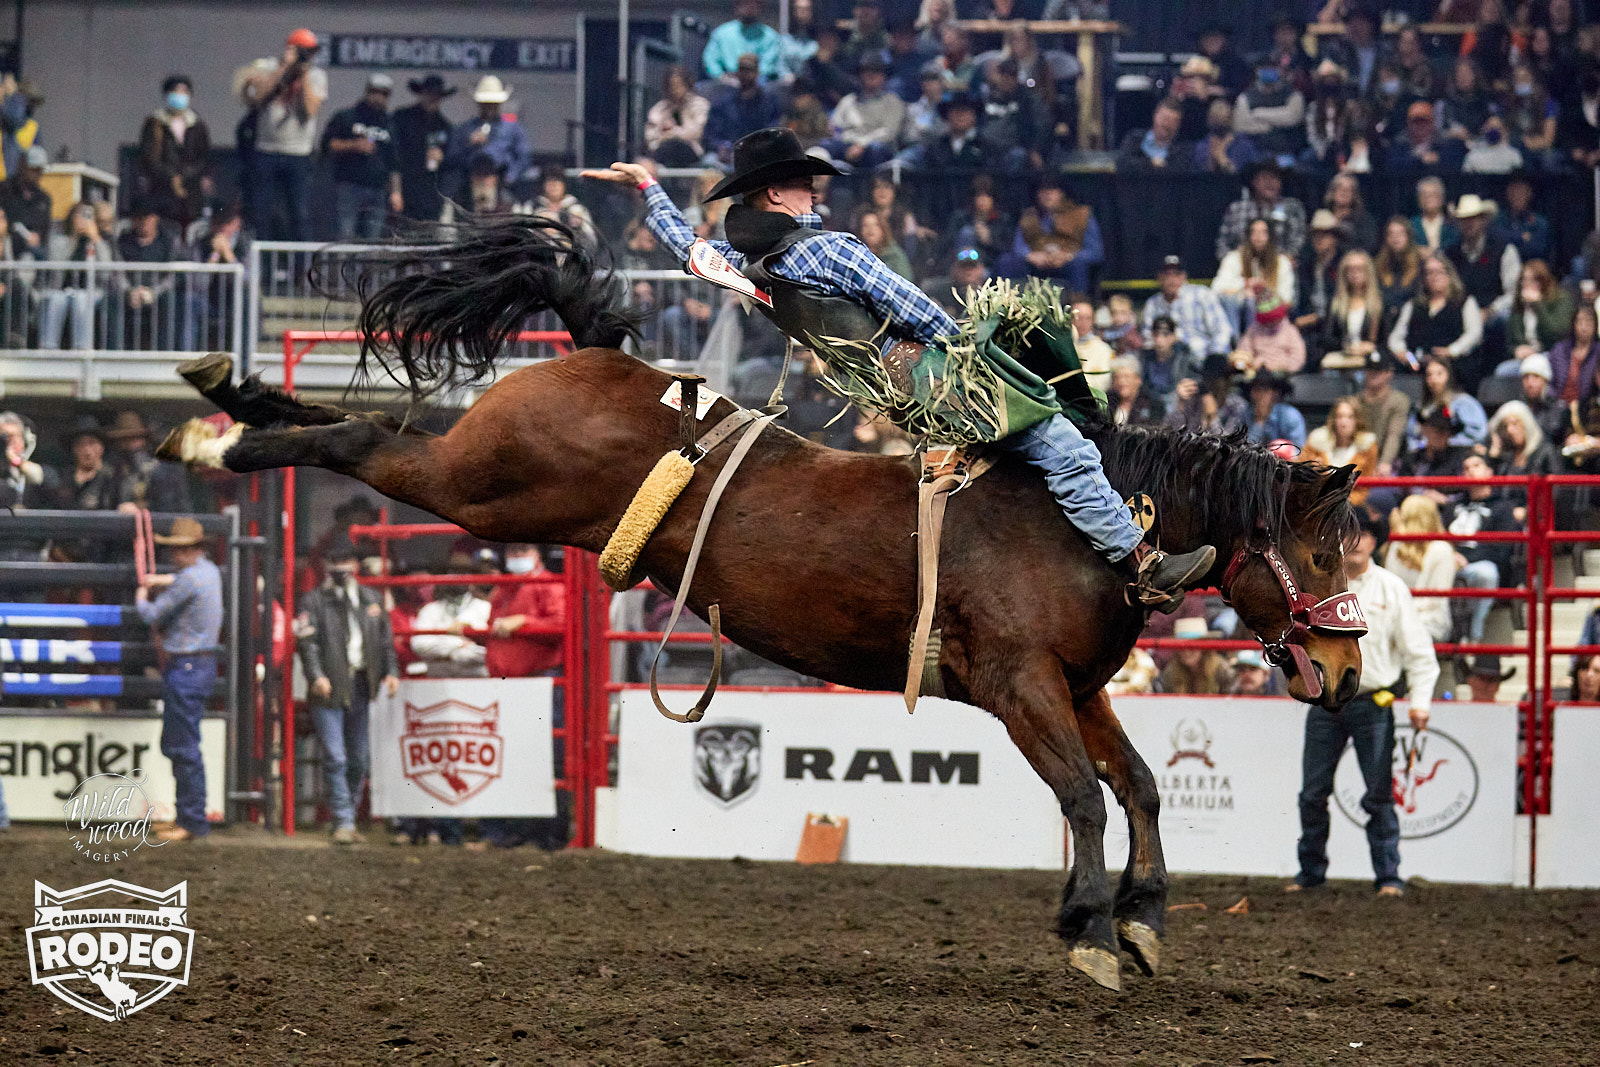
(1289, 587)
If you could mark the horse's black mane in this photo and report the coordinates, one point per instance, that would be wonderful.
(1232, 486)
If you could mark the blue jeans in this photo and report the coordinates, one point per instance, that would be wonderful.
(185, 686)
(1479, 574)
(1072, 471)
(61, 306)
(1371, 730)
(346, 757)
(360, 210)
(282, 187)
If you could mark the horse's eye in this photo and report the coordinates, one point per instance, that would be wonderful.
(1326, 561)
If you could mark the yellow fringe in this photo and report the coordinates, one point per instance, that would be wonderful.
(671, 474)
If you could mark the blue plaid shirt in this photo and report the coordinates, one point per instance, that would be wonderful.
(836, 263)
(188, 614)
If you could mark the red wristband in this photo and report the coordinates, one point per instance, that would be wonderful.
(647, 183)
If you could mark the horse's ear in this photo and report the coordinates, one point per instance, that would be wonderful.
(1341, 480)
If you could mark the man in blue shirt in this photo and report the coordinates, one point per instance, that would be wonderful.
(187, 618)
(489, 151)
(740, 111)
(1270, 418)
(744, 34)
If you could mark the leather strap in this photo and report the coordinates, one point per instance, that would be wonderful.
(932, 496)
(757, 423)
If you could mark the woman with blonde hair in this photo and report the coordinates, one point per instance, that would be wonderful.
(1351, 332)
(1341, 440)
(1252, 270)
(1423, 564)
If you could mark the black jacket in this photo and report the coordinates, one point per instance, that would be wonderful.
(322, 629)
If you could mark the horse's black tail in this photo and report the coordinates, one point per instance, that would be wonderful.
(437, 317)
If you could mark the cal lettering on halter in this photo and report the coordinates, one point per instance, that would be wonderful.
(706, 262)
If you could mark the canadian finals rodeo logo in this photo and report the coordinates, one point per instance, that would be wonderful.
(1434, 782)
(110, 957)
(452, 750)
(109, 818)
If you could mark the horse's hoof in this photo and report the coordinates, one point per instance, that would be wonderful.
(1102, 967)
(207, 372)
(1142, 943)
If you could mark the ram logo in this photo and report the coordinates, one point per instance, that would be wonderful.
(727, 760)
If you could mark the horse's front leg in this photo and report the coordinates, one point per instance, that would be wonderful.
(1036, 708)
(1141, 905)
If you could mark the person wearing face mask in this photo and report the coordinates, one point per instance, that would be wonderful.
(1273, 113)
(1491, 152)
(454, 610)
(346, 646)
(174, 167)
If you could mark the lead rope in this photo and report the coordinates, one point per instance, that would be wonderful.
(144, 548)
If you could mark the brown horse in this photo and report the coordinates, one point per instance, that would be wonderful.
(812, 561)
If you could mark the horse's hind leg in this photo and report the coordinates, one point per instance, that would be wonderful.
(255, 403)
(1141, 904)
(1036, 708)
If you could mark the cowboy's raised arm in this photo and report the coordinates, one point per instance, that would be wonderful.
(663, 219)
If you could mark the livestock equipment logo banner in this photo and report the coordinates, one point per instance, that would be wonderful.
(110, 957)
(452, 750)
(727, 760)
(1435, 783)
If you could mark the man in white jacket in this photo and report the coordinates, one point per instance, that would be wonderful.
(1396, 641)
(456, 609)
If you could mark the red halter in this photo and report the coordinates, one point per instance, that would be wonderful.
(1338, 614)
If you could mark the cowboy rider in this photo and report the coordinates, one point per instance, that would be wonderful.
(823, 283)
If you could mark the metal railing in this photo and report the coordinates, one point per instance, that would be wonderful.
(74, 327)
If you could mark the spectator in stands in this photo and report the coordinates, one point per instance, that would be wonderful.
(799, 44)
(1272, 344)
(1233, 73)
(1437, 458)
(24, 483)
(226, 241)
(1578, 133)
(1489, 266)
(1467, 105)
(1253, 270)
(1202, 323)
(1123, 333)
(283, 96)
(1156, 148)
(741, 110)
(956, 61)
(1318, 274)
(1519, 224)
(1168, 361)
(1479, 565)
(1013, 128)
(1396, 641)
(1343, 440)
(1358, 51)
(73, 297)
(1384, 410)
(1431, 227)
(1195, 670)
(1271, 417)
(151, 307)
(1343, 199)
(1252, 677)
(1440, 390)
(1286, 54)
(1264, 200)
(187, 618)
(175, 154)
(1427, 565)
(366, 173)
(870, 227)
(868, 123)
(1421, 148)
(885, 202)
(1387, 104)
(28, 206)
(1442, 321)
(420, 133)
(346, 646)
(1195, 90)
(489, 151)
(982, 225)
(1211, 405)
(967, 272)
(806, 116)
(1057, 238)
(932, 17)
(1398, 265)
(1517, 445)
(1541, 314)
(19, 130)
(1584, 686)
(1221, 150)
(1542, 403)
(745, 34)
(1095, 355)
(824, 70)
(1491, 152)
(15, 294)
(554, 202)
(907, 60)
(868, 35)
(1351, 336)
(675, 128)
(1327, 118)
(1272, 112)
(1419, 81)
(143, 481)
(957, 150)
(1131, 403)
(1575, 360)
(924, 124)
(455, 608)
(89, 484)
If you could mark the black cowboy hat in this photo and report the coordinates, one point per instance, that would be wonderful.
(1280, 383)
(766, 158)
(958, 99)
(431, 84)
(1487, 665)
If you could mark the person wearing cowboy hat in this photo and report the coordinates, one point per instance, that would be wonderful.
(90, 484)
(1286, 215)
(1195, 670)
(1490, 267)
(826, 290)
(489, 151)
(284, 96)
(420, 132)
(1485, 676)
(1271, 419)
(187, 619)
(143, 481)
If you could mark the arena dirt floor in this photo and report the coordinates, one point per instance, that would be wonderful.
(378, 954)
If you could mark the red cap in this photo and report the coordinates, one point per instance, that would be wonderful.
(303, 38)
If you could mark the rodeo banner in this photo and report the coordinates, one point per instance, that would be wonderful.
(464, 748)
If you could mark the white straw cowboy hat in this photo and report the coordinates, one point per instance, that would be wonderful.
(491, 90)
(1471, 205)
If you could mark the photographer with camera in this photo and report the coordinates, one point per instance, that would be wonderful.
(278, 134)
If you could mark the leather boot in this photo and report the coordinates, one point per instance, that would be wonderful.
(1159, 578)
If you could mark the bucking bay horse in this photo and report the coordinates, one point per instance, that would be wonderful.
(811, 556)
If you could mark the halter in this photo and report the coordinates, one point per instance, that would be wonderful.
(1339, 614)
